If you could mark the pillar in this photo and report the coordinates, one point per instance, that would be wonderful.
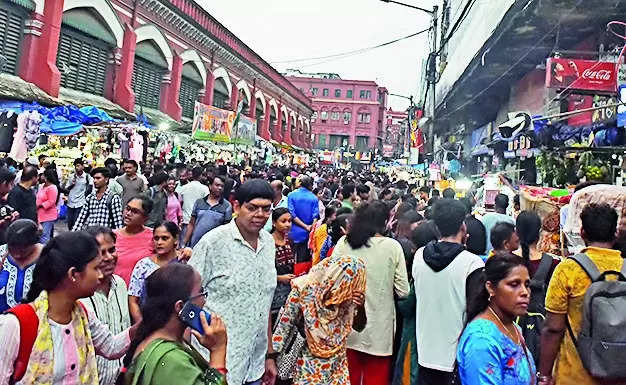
(123, 93)
(39, 52)
(252, 113)
(301, 136)
(234, 97)
(265, 130)
(277, 134)
(296, 134)
(287, 137)
(170, 90)
(210, 85)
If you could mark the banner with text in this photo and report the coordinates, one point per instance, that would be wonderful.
(211, 123)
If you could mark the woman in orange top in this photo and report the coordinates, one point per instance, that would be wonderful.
(320, 233)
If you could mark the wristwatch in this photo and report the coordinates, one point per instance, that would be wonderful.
(271, 356)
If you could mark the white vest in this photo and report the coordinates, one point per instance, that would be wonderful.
(440, 313)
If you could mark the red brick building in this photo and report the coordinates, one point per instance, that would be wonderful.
(151, 55)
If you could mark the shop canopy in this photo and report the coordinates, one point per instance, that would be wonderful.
(62, 120)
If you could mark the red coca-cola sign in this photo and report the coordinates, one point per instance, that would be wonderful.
(581, 75)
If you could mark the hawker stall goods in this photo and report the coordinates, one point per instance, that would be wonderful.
(547, 203)
(615, 196)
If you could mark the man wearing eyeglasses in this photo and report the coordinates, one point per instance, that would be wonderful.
(236, 262)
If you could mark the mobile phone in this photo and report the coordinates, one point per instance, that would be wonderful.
(190, 315)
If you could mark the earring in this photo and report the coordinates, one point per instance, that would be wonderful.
(490, 297)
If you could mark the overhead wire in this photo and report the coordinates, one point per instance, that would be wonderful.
(353, 52)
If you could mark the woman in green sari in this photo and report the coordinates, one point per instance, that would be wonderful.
(159, 354)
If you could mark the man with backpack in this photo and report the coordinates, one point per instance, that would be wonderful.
(591, 346)
(102, 208)
(79, 185)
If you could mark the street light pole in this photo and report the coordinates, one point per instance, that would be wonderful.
(433, 81)
(431, 68)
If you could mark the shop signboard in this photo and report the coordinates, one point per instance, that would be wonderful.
(581, 74)
(211, 123)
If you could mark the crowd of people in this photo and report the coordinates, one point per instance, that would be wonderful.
(215, 274)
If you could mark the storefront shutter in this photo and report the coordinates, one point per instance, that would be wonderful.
(11, 28)
(82, 61)
(147, 78)
(189, 90)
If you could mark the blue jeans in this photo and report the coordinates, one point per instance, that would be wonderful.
(257, 382)
(47, 231)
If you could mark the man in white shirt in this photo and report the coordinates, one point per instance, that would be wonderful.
(237, 265)
(110, 301)
(444, 274)
(189, 194)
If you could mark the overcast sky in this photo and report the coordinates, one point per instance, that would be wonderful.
(281, 30)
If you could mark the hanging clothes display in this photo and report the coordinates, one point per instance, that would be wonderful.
(136, 149)
(8, 124)
(122, 137)
(146, 143)
(25, 137)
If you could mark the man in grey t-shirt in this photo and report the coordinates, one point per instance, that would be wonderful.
(131, 183)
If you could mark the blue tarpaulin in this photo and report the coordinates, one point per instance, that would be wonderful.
(63, 120)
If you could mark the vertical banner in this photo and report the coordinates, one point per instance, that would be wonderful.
(210, 123)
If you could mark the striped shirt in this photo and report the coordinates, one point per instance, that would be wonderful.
(111, 310)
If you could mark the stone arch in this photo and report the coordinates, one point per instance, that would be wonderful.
(283, 110)
(260, 97)
(191, 55)
(151, 32)
(243, 86)
(104, 9)
(221, 73)
(274, 106)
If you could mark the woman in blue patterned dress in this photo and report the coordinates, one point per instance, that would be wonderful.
(492, 350)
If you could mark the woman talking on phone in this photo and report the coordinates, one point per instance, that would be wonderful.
(159, 355)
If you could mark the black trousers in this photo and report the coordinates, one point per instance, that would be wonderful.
(302, 252)
(72, 216)
(427, 376)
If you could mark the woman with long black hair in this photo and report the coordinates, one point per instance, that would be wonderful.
(492, 349)
(67, 337)
(159, 354)
(370, 351)
(528, 229)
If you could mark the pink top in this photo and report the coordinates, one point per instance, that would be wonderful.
(130, 249)
(173, 210)
(47, 203)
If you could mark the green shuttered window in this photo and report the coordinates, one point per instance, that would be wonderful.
(146, 83)
(11, 29)
(82, 61)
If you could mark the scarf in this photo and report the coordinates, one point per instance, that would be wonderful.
(326, 302)
(41, 364)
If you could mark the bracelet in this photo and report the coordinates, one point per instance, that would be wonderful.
(223, 371)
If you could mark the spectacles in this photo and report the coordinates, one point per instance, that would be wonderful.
(133, 210)
(203, 294)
